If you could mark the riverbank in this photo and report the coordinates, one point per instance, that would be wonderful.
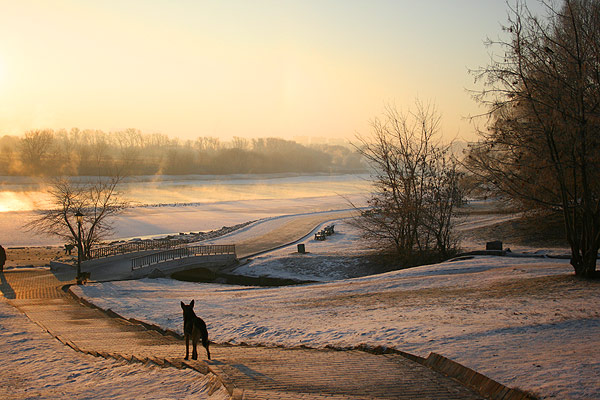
(35, 256)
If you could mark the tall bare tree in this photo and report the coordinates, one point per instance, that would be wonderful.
(35, 148)
(542, 147)
(416, 185)
(98, 200)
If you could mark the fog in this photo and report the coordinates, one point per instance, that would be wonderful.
(131, 152)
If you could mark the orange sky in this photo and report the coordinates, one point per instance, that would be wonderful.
(238, 68)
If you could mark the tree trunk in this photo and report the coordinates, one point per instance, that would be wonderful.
(584, 252)
(585, 266)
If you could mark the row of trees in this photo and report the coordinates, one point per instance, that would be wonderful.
(48, 152)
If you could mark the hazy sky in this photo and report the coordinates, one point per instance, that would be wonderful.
(248, 68)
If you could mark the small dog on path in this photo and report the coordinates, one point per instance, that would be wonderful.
(194, 327)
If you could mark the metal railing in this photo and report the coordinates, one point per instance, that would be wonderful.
(181, 252)
(132, 247)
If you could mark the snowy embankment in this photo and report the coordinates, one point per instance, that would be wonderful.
(337, 257)
(525, 322)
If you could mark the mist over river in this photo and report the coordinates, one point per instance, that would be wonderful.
(171, 204)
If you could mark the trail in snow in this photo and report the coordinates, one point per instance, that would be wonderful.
(35, 365)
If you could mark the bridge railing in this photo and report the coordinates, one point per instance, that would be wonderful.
(181, 252)
(132, 247)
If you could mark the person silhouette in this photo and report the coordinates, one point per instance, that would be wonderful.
(2, 258)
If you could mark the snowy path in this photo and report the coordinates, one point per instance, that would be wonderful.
(36, 365)
(272, 233)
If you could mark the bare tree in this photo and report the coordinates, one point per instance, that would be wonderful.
(130, 143)
(240, 143)
(415, 182)
(35, 147)
(97, 200)
(208, 144)
(542, 148)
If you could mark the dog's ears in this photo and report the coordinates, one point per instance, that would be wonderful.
(183, 305)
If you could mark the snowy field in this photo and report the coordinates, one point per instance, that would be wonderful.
(525, 322)
(37, 366)
(338, 257)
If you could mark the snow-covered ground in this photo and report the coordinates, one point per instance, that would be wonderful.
(338, 257)
(37, 366)
(525, 322)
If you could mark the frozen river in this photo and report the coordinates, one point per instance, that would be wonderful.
(168, 205)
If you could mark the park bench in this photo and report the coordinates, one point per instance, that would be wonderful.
(323, 233)
(329, 230)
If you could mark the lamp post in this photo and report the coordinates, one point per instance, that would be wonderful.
(79, 217)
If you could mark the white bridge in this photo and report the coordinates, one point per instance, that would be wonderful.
(134, 262)
(174, 260)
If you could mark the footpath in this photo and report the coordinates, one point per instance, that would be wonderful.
(289, 232)
(246, 372)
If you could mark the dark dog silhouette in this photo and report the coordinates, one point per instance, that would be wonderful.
(194, 327)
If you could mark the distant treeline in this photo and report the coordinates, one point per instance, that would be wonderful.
(93, 152)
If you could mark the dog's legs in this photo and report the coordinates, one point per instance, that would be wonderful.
(205, 343)
(194, 351)
(187, 346)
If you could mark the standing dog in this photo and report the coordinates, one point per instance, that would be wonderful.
(194, 327)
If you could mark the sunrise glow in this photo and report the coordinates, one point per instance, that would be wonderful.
(237, 68)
